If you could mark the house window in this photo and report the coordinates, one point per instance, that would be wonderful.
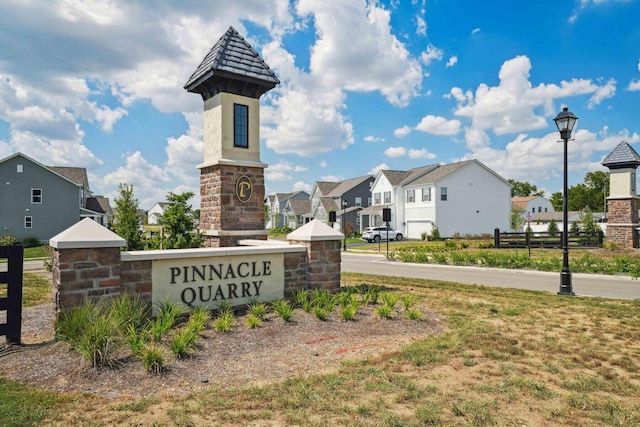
(368, 201)
(358, 201)
(36, 195)
(539, 209)
(28, 221)
(426, 194)
(376, 198)
(240, 126)
(387, 197)
(545, 209)
(633, 181)
(19, 169)
(443, 193)
(411, 195)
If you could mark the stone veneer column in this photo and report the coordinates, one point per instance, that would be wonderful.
(85, 264)
(323, 254)
(224, 220)
(622, 221)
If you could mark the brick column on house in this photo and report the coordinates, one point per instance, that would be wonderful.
(85, 264)
(323, 255)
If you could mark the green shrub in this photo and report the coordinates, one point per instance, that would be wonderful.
(137, 340)
(414, 314)
(30, 242)
(301, 298)
(8, 240)
(199, 319)
(168, 314)
(100, 341)
(323, 298)
(389, 298)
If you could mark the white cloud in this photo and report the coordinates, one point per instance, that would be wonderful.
(475, 30)
(283, 171)
(421, 153)
(402, 132)
(439, 125)
(432, 53)
(421, 26)
(634, 86)
(323, 164)
(371, 138)
(376, 169)
(513, 106)
(301, 186)
(366, 58)
(452, 61)
(331, 178)
(395, 151)
(602, 93)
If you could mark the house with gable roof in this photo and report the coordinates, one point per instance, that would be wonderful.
(275, 205)
(346, 198)
(464, 197)
(40, 201)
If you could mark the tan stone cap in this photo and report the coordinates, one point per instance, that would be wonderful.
(314, 231)
(87, 234)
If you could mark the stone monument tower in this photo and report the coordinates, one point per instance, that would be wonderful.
(622, 203)
(231, 79)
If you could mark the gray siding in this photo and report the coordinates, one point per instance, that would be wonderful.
(60, 207)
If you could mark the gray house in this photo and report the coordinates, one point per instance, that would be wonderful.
(39, 202)
(346, 198)
(275, 206)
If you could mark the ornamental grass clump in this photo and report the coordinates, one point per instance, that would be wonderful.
(348, 312)
(323, 298)
(184, 342)
(384, 311)
(320, 313)
(153, 358)
(301, 299)
(258, 309)
(283, 309)
(253, 321)
(167, 316)
(389, 299)
(224, 322)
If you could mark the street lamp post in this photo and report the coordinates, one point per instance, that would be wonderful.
(344, 207)
(565, 121)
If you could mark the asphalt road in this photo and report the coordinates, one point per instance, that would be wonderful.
(620, 287)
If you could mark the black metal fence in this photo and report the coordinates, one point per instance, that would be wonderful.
(546, 240)
(12, 303)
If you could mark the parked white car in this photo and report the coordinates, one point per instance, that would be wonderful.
(375, 234)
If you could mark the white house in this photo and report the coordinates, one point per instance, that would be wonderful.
(530, 206)
(465, 197)
(154, 214)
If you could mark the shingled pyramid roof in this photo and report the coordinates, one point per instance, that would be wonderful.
(623, 156)
(232, 66)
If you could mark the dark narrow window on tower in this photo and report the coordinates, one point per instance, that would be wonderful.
(240, 126)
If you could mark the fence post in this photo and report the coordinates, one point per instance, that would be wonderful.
(12, 304)
(496, 238)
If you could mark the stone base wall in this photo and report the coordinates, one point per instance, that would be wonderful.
(220, 209)
(83, 274)
(136, 278)
(323, 263)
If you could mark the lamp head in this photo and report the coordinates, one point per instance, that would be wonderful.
(565, 121)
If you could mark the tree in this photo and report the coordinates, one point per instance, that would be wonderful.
(590, 194)
(553, 228)
(127, 221)
(524, 189)
(516, 218)
(179, 223)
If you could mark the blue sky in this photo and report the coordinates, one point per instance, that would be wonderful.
(366, 85)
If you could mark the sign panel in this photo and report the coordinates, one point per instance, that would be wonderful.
(236, 279)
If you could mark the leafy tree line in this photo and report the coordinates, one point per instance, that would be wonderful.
(589, 194)
(178, 222)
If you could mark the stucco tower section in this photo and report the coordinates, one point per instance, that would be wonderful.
(231, 79)
(622, 203)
